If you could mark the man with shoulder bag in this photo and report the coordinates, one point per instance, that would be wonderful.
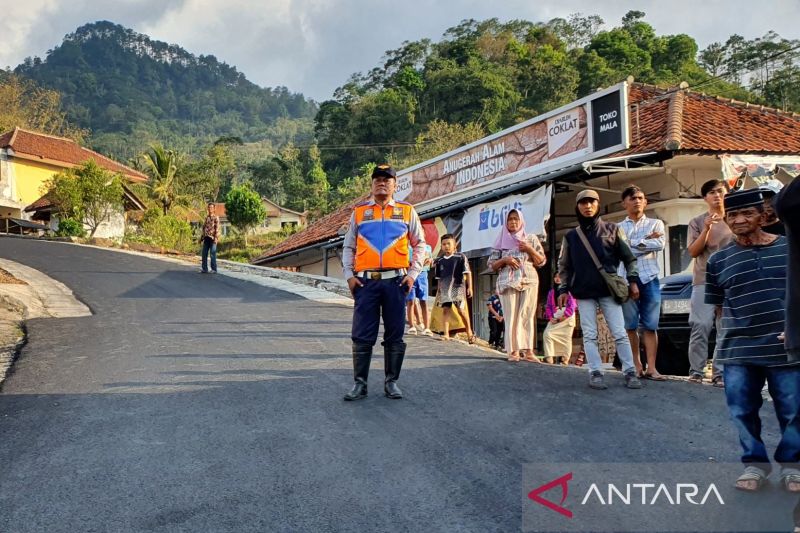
(587, 266)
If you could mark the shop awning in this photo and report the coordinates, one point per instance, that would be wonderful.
(625, 163)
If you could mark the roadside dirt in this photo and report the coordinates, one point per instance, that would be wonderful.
(5, 277)
(12, 334)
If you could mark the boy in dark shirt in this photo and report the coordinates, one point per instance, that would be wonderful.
(455, 285)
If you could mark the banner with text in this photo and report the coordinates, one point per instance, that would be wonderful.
(482, 224)
(588, 128)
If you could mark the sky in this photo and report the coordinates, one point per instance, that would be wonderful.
(313, 46)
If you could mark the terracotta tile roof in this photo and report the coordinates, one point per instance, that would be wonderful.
(661, 120)
(60, 151)
(675, 120)
(318, 231)
(132, 202)
(41, 203)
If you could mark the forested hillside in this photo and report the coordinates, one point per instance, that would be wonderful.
(495, 74)
(120, 92)
(130, 90)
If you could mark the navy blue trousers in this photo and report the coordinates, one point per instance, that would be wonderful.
(382, 297)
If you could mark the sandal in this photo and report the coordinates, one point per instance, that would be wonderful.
(513, 358)
(718, 382)
(654, 377)
(695, 378)
(471, 339)
(791, 476)
(751, 473)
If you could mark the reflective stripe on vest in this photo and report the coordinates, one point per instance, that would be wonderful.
(382, 241)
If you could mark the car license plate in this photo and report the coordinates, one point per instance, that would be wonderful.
(675, 307)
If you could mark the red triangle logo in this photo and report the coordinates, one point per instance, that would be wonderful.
(535, 495)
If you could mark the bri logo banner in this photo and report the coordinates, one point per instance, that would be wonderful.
(483, 223)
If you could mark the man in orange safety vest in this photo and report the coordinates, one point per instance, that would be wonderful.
(379, 273)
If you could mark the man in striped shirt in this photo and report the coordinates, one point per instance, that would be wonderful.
(645, 238)
(746, 281)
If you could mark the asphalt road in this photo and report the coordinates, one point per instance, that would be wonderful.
(192, 402)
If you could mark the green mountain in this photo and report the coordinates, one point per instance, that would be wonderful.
(130, 90)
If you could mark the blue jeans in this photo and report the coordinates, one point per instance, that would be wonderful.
(612, 311)
(644, 312)
(743, 384)
(209, 244)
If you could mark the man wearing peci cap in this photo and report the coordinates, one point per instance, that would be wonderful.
(746, 282)
(380, 274)
(581, 277)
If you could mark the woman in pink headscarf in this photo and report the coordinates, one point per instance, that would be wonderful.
(515, 257)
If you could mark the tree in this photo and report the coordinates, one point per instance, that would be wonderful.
(162, 166)
(576, 31)
(26, 105)
(203, 179)
(353, 187)
(87, 193)
(244, 209)
(440, 137)
(318, 186)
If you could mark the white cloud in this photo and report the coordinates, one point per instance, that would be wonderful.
(312, 46)
(18, 22)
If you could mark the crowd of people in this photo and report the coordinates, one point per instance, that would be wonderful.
(742, 285)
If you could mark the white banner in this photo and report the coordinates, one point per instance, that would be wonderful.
(760, 168)
(482, 224)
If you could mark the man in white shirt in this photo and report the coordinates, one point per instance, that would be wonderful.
(645, 238)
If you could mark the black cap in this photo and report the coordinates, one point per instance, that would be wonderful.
(384, 170)
(742, 199)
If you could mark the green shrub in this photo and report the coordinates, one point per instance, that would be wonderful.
(169, 232)
(69, 227)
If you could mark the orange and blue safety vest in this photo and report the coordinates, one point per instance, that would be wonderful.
(382, 236)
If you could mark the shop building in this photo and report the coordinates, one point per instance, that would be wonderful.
(667, 141)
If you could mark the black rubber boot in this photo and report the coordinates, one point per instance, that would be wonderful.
(393, 356)
(362, 355)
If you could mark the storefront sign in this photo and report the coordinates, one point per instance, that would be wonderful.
(607, 121)
(588, 128)
(482, 224)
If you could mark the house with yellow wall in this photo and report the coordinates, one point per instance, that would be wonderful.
(28, 159)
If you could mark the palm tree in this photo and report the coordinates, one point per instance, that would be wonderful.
(163, 169)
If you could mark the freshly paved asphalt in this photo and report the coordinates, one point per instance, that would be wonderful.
(192, 402)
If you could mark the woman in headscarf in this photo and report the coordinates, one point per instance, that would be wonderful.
(515, 257)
